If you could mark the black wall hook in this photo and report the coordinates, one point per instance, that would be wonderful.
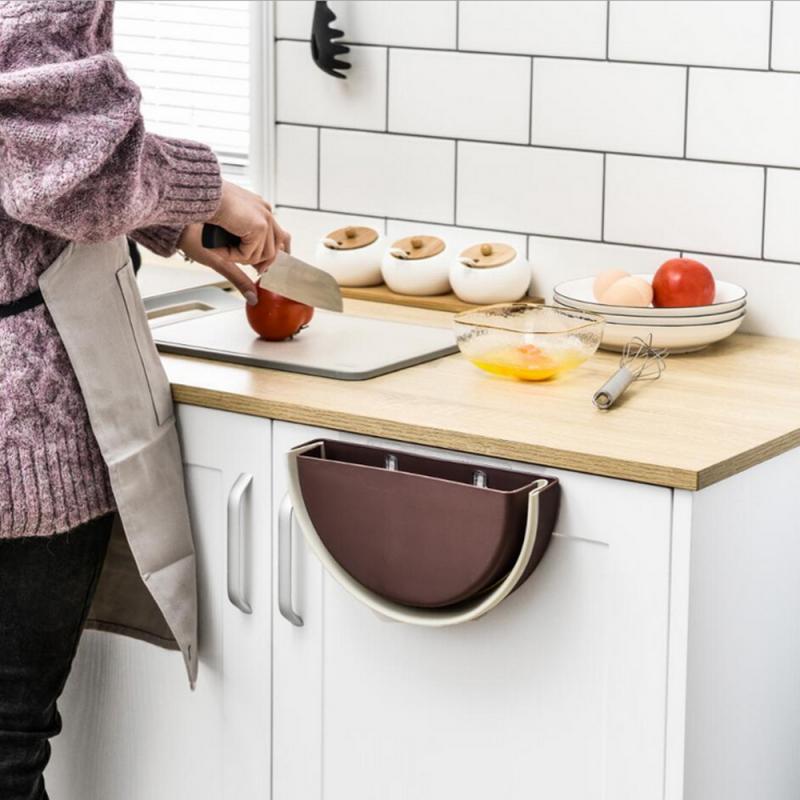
(324, 50)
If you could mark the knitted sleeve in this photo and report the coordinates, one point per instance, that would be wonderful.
(75, 159)
(161, 239)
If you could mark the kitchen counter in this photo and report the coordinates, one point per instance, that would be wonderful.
(711, 415)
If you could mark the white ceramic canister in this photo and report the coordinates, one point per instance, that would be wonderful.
(352, 255)
(417, 265)
(490, 273)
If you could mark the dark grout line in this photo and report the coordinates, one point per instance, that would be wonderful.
(608, 26)
(763, 70)
(433, 137)
(764, 214)
(388, 63)
(530, 106)
(319, 165)
(458, 13)
(769, 55)
(545, 235)
(455, 184)
(686, 113)
(603, 204)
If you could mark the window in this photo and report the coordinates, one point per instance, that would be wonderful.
(192, 61)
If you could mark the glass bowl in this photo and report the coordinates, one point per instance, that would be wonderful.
(527, 341)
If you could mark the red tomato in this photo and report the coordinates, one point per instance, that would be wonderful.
(683, 282)
(275, 317)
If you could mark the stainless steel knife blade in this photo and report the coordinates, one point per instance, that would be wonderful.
(293, 278)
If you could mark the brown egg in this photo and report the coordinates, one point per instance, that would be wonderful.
(606, 279)
(645, 288)
(628, 291)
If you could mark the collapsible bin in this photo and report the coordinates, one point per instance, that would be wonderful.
(418, 539)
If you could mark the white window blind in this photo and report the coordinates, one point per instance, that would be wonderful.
(192, 61)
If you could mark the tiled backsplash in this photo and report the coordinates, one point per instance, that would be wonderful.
(589, 134)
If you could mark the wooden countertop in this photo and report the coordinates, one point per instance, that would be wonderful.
(711, 415)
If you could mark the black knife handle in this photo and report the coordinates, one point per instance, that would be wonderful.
(214, 236)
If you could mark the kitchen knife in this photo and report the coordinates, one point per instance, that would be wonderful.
(287, 275)
(293, 278)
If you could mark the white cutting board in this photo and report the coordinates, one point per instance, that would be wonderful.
(333, 346)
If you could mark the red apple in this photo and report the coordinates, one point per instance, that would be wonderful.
(276, 317)
(683, 282)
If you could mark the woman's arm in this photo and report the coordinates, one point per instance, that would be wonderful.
(74, 155)
(160, 239)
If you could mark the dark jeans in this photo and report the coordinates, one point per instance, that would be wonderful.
(46, 588)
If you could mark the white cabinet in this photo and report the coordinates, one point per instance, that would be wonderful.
(133, 729)
(559, 693)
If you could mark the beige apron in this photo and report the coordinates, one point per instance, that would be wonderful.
(148, 586)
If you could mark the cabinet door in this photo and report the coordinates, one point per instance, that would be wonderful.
(132, 727)
(559, 693)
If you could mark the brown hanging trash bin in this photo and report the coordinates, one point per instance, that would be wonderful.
(420, 533)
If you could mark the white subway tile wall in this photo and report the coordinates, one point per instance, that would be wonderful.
(613, 133)
(390, 176)
(785, 35)
(750, 117)
(307, 95)
(544, 28)
(296, 165)
(695, 205)
(782, 221)
(557, 192)
(474, 96)
(717, 33)
(401, 23)
(597, 105)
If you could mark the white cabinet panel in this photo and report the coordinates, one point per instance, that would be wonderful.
(132, 727)
(560, 692)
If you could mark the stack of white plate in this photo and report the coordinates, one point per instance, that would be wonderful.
(678, 330)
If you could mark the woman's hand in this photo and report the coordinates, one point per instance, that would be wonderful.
(190, 243)
(249, 217)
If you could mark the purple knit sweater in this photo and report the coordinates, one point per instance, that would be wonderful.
(75, 164)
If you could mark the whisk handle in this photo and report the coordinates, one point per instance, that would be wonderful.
(610, 391)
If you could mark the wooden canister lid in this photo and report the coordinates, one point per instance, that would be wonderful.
(489, 254)
(417, 247)
(350, 238)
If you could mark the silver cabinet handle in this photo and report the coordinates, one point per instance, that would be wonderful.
(236, 561)
(285, 514)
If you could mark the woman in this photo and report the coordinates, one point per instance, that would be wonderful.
(87, 434)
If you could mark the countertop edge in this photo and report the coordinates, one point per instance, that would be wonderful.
(668, 477)
(715, 473)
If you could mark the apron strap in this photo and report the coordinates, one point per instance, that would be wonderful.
(23, 304)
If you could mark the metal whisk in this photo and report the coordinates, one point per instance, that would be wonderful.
(639, 361)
